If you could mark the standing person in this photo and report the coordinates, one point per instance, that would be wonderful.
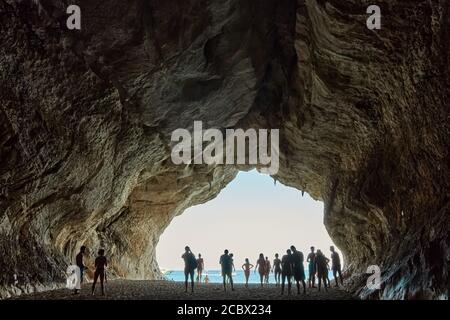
(247, 266)
(226, 263)
(200, 267)
(190, 264)
(336, 266)
(232, 261)
(232, 264)
(328, 273)
(277, 269)
(299, 269)
(100, 265)
(261, 267)
(322, 270)
(311, 259)
(268, 268)
(79, 262)
(206, 279)
(286, 271)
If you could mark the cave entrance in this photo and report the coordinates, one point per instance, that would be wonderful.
(251, 215)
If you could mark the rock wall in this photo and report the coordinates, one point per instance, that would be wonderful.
(86, 118)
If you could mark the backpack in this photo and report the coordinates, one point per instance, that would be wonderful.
(192, 261)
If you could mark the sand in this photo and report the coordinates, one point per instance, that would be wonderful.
(169, 290)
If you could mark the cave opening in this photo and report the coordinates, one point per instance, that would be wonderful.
(253, 214)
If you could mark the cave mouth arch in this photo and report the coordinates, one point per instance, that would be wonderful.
(252, 214)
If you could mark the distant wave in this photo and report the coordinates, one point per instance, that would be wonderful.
(165, 271)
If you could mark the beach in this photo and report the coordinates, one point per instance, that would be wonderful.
(171, 290)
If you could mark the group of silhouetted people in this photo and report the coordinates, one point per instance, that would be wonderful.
(319, 264)
(287, 269)
(100, 265)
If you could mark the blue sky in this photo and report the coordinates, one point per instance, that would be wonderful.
(250, 216)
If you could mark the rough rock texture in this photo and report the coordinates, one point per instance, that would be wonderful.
(86, 118)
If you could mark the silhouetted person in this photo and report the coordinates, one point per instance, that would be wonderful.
(200, 267)
(190, 264)
(79, 262)
(277, 269)
(311, 259)
(226, 263)
(322, 270)
(299, 269)
(247, 266)
(232, 263)
(286, 271)
(268, 268)
(100, 264)
(336, 266)
(328, 272)
(261, 267)
(206, 279)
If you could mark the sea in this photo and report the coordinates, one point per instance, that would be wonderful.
(215, 276)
